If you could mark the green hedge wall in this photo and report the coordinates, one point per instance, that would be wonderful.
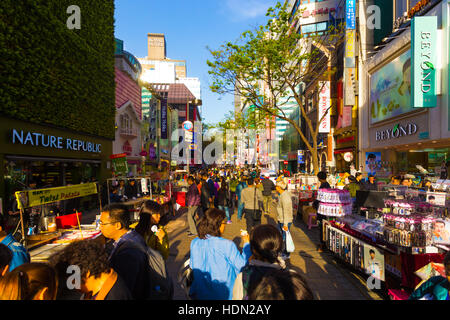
(56, 76)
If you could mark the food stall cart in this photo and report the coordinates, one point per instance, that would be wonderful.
(49, 231)
(143, 192)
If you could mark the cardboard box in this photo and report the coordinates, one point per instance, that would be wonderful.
(306, 210)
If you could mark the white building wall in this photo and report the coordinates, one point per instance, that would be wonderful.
(154, 71)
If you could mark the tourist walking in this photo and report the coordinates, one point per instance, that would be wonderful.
(252, 199)
(215, 261)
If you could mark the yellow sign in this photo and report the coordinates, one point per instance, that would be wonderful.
(32, 198)
(350, 43)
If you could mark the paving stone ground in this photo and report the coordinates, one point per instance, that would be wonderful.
(327, 279)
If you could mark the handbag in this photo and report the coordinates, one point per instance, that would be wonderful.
(290, 247)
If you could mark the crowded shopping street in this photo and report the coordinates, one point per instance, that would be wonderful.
(225, 158)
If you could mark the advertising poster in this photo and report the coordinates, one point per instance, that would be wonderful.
(390, 89)
(373, 162)
(441, 231)
(374, 262)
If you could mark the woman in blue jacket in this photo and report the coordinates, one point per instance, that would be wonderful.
(215, 261)
(436, 288)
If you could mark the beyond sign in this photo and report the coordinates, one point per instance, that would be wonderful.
(397, 131)
(47, 141)
(423, 61)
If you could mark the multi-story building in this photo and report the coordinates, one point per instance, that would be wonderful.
(128, 109)
(178, 97)
(316, 18)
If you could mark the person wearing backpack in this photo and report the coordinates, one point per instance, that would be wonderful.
(127, 252)
(149, 217)
(266, 245)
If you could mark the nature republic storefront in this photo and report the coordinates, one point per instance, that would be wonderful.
(48, 156)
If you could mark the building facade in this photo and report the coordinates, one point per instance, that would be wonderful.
(394, 132)
(128, 111)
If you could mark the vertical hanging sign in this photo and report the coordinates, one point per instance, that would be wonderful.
(424, 60)
(164, 119)
(350, 53)
(324, 107)
(350, 14)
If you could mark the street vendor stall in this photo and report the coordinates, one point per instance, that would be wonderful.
(44, 228)
(395, 232)
(131, 192)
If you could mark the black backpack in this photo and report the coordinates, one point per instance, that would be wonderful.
(161, 285)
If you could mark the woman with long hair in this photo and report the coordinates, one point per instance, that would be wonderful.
(266, 245)
(215, 261)
(150, 216)
(29, 281)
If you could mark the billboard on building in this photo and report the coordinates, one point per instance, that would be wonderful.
(390, 89)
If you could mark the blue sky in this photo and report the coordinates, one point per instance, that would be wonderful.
(189, 27)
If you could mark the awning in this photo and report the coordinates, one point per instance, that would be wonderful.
(337, 151)
(30, 158)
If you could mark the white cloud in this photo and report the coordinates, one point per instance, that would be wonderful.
(248, 9)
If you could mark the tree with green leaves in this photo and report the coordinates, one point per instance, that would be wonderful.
(272, 64)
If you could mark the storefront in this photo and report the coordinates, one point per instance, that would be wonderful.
(345, 149)
(397, 130)
(50, 157)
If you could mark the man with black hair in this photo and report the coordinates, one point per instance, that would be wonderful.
(98, 280)
(127, 255)
(371, 184)
(252, 198)
(5, 259)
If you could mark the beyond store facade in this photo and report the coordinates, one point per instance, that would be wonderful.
(395, 135)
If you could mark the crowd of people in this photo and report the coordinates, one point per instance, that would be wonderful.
(128, 262)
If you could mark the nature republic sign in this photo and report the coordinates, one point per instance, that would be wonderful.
(423, 61)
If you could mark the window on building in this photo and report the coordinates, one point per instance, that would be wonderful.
(401, 6)
(125, 122)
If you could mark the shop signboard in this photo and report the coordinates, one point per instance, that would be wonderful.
(324, 107)
(390, 89)
(423, 61)
(120, 164)
(38, 139)
(32, 198)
